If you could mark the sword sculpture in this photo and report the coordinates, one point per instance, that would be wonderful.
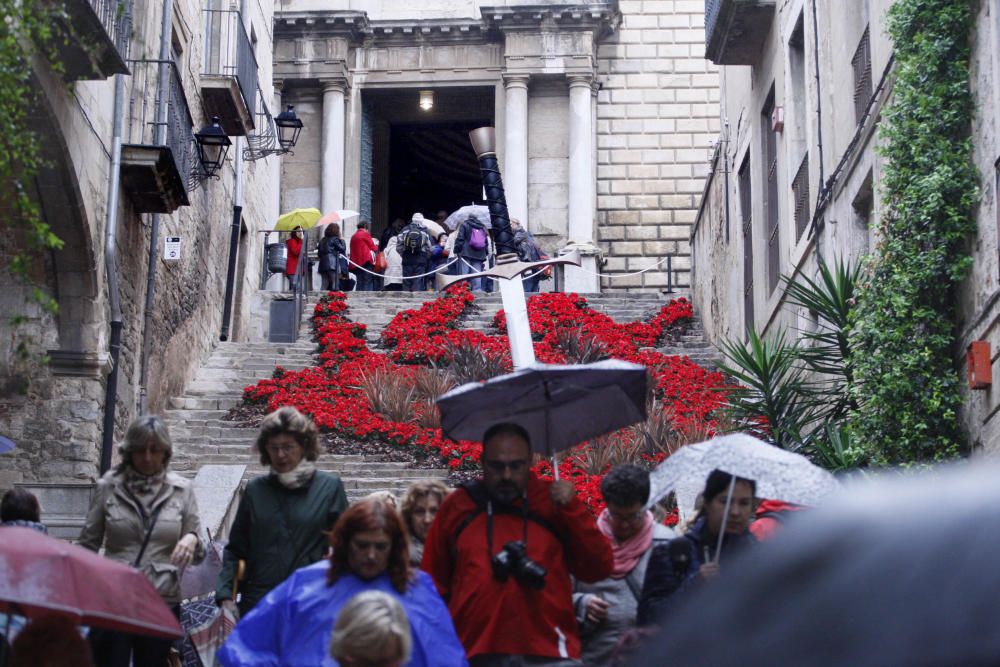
(509, 268)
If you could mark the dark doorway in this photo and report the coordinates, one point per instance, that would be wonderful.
(432, 168)
(420, 160)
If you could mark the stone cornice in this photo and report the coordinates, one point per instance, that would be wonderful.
(603, 18)
(355, 26)
(429, 31)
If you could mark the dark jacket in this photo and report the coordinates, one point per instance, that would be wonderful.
(278, 530)
(462, 247)
(425, 244)
(664, 585)
(330, 248)
(493, 616)
(527, 249)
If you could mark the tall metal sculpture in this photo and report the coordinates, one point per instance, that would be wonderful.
(509, 269)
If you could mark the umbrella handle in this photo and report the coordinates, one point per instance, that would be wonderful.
(555, 467)
(241, 573)
(725, 517)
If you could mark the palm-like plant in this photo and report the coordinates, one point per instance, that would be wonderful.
(830, 299)
(773, 398)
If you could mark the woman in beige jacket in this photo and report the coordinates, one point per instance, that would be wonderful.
(145, 517)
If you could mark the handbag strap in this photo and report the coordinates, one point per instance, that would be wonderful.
(150, 521)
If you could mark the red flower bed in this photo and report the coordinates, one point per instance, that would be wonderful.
(331, 394)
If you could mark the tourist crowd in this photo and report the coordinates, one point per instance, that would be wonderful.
(507, 570)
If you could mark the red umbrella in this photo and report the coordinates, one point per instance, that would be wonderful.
(42, 575)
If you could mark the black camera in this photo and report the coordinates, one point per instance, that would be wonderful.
(513, 559)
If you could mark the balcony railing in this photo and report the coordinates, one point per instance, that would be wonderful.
(735, 30)
(229, 59)
(92, 39)
(158, 152)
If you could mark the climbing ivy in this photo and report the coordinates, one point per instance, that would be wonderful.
(906, 386)
(26, 31)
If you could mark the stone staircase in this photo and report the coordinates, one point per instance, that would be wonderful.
(203, 438)
(376, 309)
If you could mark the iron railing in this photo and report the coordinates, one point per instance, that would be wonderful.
(263, 141)
(111, 14)
(152, 120)
(229, 52)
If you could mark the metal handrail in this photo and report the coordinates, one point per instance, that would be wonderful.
(142, 126)
(229, 52)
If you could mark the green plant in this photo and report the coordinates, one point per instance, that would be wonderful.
(830, 299)
(833, 448)
(773, 398)
(906, 387)
(27, 29)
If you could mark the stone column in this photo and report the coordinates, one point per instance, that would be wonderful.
(333, 145)
(515, 168)
(581, 186)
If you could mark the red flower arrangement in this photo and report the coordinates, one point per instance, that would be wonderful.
(330, 392)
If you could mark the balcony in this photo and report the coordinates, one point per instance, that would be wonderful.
(91, 39)
(735, 30)
(229, 72)
(158, 149)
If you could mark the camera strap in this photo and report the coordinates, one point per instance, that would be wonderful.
(477, 491)
(489, 525)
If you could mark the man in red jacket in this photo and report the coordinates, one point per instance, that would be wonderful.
(501, 551)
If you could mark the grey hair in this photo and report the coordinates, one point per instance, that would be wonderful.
(143, 431)
(366, 623)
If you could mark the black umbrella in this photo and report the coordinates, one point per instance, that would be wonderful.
(559, 406)
(901, 571)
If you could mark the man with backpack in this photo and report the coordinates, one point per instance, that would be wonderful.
(472, 249)
(413, 244)
(501, 551)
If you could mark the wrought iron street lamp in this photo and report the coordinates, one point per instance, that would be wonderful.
(289, 127)
(213, 145)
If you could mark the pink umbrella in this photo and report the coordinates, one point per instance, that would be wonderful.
(336, 216)
(42, 575)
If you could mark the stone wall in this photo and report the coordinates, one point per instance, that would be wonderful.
(657, 113)
(54, 411)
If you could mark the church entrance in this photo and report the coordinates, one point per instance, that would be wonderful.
(416, 159)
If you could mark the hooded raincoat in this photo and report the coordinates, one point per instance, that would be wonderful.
(293, 624)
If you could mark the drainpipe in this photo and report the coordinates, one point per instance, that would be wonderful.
(234, 239)
(154, 225)
(234, 236)
(111, 263)
(819, 104)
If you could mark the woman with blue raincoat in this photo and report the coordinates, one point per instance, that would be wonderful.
(293, 624)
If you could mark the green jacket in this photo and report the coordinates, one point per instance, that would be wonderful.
(278, 530)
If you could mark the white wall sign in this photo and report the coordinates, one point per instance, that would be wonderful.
(172, 248)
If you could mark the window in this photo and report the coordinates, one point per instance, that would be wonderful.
(862, 64)
(863, 207)
(746, 214)
(800, 197)
(770, 161)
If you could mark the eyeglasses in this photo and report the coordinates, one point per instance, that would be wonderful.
(499, 467)
(281, 449)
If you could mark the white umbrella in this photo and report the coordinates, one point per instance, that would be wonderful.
(779, 474)
(480, 213)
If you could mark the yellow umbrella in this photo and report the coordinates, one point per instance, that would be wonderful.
(306, 218)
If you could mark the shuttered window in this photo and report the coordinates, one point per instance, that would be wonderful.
(862, 64)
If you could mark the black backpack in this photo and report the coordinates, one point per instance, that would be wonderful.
(413, 242)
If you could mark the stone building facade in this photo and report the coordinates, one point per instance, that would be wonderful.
(758, 218)
(54, 410)
(603, 110)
